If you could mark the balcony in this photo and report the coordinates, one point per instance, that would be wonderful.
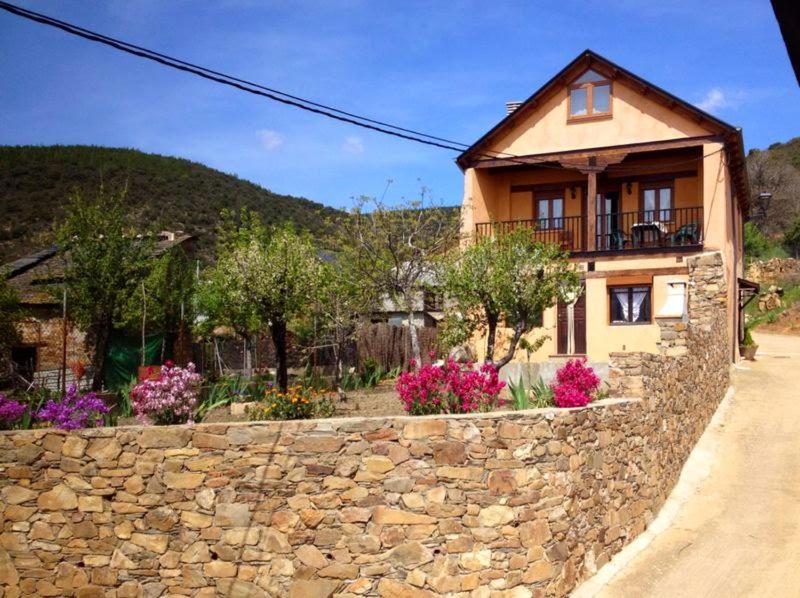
(618, 232)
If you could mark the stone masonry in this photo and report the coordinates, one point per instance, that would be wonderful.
(499, 505)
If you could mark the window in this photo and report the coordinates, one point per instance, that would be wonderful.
(550, 213)
(630, 305)
(656, 202)
(590, 95)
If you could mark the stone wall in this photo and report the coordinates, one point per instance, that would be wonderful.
(501, 505)
(773, 270)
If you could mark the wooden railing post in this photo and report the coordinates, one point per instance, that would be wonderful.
(591, 209)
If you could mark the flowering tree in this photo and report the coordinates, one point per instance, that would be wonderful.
(510, 279)
(74, 410)
(450, 388)
(575, 384)
(171, 398)
(271, 276)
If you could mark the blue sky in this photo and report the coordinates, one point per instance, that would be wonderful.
(444, 67)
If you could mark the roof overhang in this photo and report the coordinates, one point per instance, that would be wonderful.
(478, 155)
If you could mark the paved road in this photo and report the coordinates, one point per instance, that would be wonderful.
(739, 534)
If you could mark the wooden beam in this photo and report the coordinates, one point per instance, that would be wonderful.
(591, 205)
(600, 153)
(668, 271)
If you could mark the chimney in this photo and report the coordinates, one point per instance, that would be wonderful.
(511, 106)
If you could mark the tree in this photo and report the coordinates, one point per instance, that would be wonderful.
(271, 275)
(774, 191)
(510, 279)
(168, 291)
(105, 262)
(393, 251)
(341, 302)
(10, 315)
(791, 239)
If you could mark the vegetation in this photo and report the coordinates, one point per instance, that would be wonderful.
(757, 246)
(790, 298)
(297, 402)
(104, 264)
(509, 280)
(164, 192)
(262, 277)
(392, 250)
(10, 315)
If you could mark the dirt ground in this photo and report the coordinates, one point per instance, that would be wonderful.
(788, 322)
(738, 534)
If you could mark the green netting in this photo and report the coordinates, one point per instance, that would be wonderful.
(124, 356)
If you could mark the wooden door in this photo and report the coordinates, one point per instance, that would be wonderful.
(562, 327)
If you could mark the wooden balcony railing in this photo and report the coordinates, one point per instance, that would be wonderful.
(618, 231)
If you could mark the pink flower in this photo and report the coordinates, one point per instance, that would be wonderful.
(450, 388)
(171, 398)
(575, 384)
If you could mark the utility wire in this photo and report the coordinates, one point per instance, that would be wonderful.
(286, 98)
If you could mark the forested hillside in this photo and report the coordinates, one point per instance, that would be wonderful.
(164, 192)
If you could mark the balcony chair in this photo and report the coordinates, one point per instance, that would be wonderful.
(687, 234)
(617, 240)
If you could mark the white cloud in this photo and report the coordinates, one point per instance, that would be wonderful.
(270, 140)
(713, 100)
(353, 145)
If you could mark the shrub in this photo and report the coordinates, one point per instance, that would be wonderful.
(11, 412)
(169, 399)
(74, 410)
(450, 388)
(298, 402)
(575, 384)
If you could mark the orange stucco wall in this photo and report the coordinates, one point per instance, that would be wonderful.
(635, 119)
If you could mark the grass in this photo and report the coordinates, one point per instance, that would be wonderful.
(791, 296)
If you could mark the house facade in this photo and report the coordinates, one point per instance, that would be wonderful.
(631, 181)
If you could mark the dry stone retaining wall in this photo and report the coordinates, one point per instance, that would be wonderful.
(502, 505)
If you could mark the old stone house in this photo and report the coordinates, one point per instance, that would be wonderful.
(632, 182)
(44, 335)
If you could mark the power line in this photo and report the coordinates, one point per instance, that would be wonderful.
(230, 81)
(286, 98)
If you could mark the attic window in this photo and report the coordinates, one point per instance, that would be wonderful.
(589, 96)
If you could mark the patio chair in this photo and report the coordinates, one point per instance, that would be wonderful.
(617, 240)
(688, 234)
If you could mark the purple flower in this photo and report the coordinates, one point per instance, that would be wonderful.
(10, 412)
(74, 410)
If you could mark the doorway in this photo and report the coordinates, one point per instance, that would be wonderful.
(579, 327)
(609, 235)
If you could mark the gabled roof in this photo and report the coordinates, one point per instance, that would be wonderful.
(732, 135)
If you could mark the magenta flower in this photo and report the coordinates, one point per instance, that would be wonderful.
(575, 384)
(450, 388)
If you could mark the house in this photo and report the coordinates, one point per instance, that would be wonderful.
(628, 178)
(45, 337)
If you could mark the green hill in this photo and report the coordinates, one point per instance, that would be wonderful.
(164, 192)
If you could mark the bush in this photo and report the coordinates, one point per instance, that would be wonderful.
(169, 399)
(298, 402)
(575, 384)
(450, 388)
(11, 412)
(74, 410)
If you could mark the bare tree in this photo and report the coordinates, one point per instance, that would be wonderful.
(392, 250)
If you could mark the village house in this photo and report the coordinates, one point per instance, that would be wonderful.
(48, 345)
(628, 178)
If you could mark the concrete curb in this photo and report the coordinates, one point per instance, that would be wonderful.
(695, 471)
